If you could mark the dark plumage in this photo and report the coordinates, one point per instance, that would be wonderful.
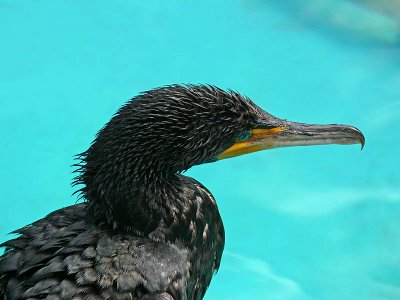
(145, 231)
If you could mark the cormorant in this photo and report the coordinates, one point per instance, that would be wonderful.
(145, 231)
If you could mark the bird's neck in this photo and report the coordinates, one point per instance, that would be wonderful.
(138, 203)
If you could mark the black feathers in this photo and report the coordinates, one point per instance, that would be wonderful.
(106, 264)
(146, 231)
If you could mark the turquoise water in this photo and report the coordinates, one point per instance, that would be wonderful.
(301, 223)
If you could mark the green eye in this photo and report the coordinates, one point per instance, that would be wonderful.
(243, 136)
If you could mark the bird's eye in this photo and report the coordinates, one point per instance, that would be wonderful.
(243, 136)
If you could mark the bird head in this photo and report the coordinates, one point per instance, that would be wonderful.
(169, 129)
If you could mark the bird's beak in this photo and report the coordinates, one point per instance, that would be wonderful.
(271, 132)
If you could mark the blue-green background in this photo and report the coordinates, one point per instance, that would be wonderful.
(301, 223)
